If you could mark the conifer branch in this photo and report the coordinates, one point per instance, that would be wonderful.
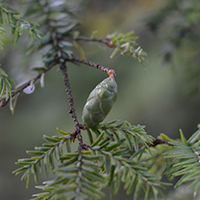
(118, 151)
(124, 43)
(18, 24)
(5, 88)
(185, 161)
(107, 41)
(19, 90)
(42, 156)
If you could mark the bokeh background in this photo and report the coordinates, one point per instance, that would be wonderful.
(162, 98)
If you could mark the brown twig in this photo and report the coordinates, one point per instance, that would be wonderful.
(78, 126)
(90, 63)
(158, 141)
(196, 153)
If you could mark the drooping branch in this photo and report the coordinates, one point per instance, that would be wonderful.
(50, 66)
(28, 83)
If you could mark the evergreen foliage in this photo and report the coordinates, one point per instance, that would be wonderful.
(185, 163)
(18, 24)
(5, 86)
(107, 161)
(118, 152)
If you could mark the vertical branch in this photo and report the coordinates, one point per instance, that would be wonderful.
(71, 106)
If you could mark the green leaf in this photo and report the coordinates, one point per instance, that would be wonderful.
(89, 136)
(125, 174)
(48, 145)
(40, 168)
(58, 181)
(50, 139)
(68, 145)
(99, 139)
(138, 190)
(114, 146)
(89, 193)
(42, 195)
(104, 145)
(91, 183)
(115, 134)
(51, 161)
(148, 193)
(128, 140)
(95, 148)
(183, 137)
(132, 185)
(93, 189)
(35, 172)
(104, 141)
(117, 182)
(91, 157)
(107, 164)
(2, 89)
(27, 176)
(62, 132)
(13, 27)
(115, 52)
(109, 135)
(44, 149)
(35, 153)
(91, 164)
(96, 132)
(120, 152)
(57, 153)
(3, 72)
(112, 123)
(194, 137)
(18, 171)
(80, 50)
(69, 162)
(112, 191)
(68, 169)
(1, 18)
(23, 163)
(112, 170)
(94, 176)
(161, 193)
(17, 37)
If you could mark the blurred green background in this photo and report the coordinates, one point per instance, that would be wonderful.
(159, 98)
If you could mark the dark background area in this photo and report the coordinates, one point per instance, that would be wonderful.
(158, 98)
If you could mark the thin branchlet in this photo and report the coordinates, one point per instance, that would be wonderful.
(71, 106)
(197, 154)
(106, 41)
(28, 83)
(158, 141)
(89, 63)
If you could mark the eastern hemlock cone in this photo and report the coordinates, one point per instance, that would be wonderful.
(100, 102)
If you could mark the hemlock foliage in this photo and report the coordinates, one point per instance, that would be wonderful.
(118, 152)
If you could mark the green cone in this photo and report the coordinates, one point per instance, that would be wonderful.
(99, 102)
